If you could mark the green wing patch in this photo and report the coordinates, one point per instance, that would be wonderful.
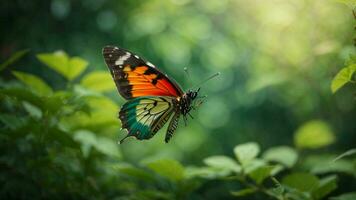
(144, 116)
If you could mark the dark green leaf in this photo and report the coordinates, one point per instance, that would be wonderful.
(261, 173)
(301, 181)
(325, 186)
(346, 196)
(13, 58)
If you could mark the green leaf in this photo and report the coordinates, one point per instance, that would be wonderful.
(58, 61)
(283, 154)
(13, 58)
(101, 144)
(347, 153)
(261, 173)
(342, 77)
(243, 192)
(167, 168)
(223, 162)
(87, 139)
(314, 134)
(12, 121)
(246, 152)
(33, 110)
(107, 146)
(205, 172)
(301, 181)
(346, 196)
(325, 186)
(34, 82)
(76, 66)
(61, 63)
(99, 81)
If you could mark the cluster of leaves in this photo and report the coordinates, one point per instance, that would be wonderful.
(279, 173)
(345, 75)
(61, 144)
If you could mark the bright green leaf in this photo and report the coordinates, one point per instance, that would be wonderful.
(76, 66)
(283, 154)
(34, 82)
(168, 168)
(61, 63)
(13, 58)
(246, 152)
(346, 196)
(223, 162)
(261, 173)
(301, 181)
(58, 61)
(314, 134)
(326, 185)
(99, 81)
(243, 192)
(342, 77)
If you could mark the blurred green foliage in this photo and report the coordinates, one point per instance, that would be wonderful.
(58, 120)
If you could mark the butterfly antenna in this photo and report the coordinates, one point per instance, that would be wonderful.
(207, 79)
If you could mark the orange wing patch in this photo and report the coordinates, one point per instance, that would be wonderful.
(134, 77)
(147, 84)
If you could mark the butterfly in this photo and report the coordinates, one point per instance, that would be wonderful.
(152, 97)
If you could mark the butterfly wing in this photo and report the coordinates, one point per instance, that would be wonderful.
(144, 116)
(134, 77)
(173, 124)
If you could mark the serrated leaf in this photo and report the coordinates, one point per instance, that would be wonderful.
(261, 173)
(342, 77)
(59, 61)
(243, 192)
(13, 58)
(325, 186)
(34, 82)
(170, 169)
(223, 162)
(246, 152)
(283, 154)
(301, 181)
(99, 81)
(314, 134)
(346, 196)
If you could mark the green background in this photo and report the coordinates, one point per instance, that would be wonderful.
(276, 58)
